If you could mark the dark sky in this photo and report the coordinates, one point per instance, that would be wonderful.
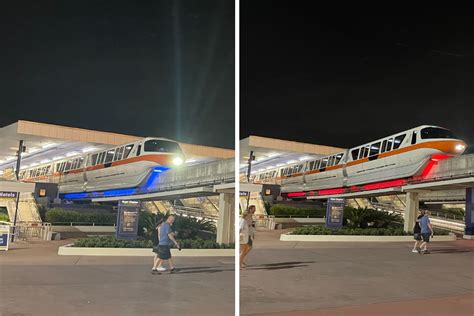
(149, 68)
(312, 76)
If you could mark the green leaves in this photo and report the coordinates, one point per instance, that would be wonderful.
(57, 215)
(112, 242)
(284, 210)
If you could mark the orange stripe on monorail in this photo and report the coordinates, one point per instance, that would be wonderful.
(446, 146)
(163, 160)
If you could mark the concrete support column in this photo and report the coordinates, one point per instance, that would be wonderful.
(469, 217)
(411, 210)
(225, 223)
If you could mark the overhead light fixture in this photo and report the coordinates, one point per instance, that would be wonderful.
(58, 157)
(280, 164)
(23, 167)
(48, 145)
(272, 155)
(260, 170)
(304, 158)
(34, 164)
(190, 160)
(72, 153)
(88, 149)
(290, 161)
(45, 160)
(270, 167)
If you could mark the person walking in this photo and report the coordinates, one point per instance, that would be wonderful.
(244, 237)
(417, 233)
(251, 224)
(156, 259)
(426, 232)
(164, 245)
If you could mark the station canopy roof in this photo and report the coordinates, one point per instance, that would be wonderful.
(270, 152)
(47, 142)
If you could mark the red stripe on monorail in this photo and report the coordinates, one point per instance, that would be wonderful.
(332, 191)
(296, 194)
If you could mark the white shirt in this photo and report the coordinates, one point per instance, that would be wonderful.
(244, 230)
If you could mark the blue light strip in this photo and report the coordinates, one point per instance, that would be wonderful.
(120, 192)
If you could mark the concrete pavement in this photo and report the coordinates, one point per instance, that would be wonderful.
(34, 280)
(308, 278)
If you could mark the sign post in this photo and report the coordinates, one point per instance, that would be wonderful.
(127, 219)
(4, 237)
(335, 212)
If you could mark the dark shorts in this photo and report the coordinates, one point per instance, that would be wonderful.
(417, 236)
(164, 252)
(250, 242)
(426, 237)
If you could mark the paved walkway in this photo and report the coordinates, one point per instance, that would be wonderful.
(308, 278)
(34, 280)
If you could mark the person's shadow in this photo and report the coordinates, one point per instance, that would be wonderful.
(450, 250)
(279, 265)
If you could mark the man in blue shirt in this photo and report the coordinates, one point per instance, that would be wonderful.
(164, 245)
(426, 232)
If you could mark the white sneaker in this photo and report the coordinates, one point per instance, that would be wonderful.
(161, 269)
(414, 250)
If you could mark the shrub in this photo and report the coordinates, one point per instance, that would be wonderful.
(365, 217)
(186, 227)
(112, 242)
(4, 217)
(57, 215)
(284, 210)
(321, 230)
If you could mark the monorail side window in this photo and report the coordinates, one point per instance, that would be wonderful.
(384, 145)
(139, 150)
(398, 141)
(331, 161)
(366, 151)
(436, 132)
(68, 166)
(389, 144)
(94, 159)
(101, 158)
(338, 158)
(311, 165)
(355, 153)
(128, 149)
(118, 154)
(324, 163)
(110, 156)
(374, 149)
(413, 138)
(317, 164)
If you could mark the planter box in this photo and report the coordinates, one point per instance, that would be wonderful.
(67, 250)
(358, 238)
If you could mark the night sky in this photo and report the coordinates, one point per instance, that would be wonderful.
(145, 68)
(312, 76)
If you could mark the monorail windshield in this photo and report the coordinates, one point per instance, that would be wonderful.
(436, 132)
(162, 146)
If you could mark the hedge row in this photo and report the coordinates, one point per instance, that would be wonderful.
(284, 210)
(112, 242)
(321, 230)
(55, 215)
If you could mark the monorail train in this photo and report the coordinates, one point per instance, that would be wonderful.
(400, 156)
(124, 166)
